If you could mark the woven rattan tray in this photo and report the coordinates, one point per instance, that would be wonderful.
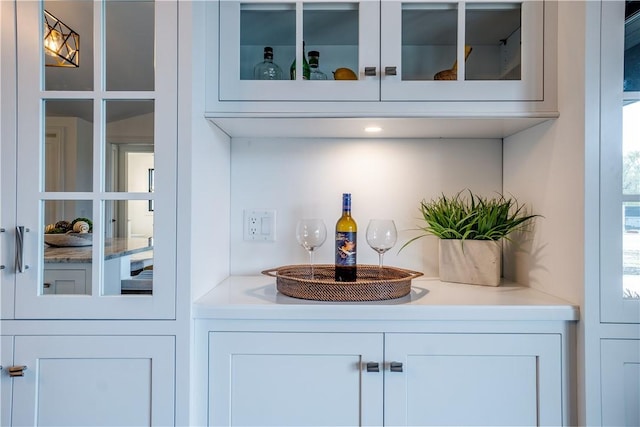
(372, 283)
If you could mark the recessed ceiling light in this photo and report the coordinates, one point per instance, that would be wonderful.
(373, 129)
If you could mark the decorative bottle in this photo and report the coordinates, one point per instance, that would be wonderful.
(306, 71)
(316, 74)
(346, 243)
(267, 69)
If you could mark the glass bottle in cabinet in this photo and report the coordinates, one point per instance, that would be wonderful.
(314, 64)
(267, 69)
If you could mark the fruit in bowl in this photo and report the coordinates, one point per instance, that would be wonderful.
(69, 234)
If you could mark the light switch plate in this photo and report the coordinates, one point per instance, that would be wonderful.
(259, 225)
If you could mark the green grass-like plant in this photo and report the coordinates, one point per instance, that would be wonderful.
(472, 218)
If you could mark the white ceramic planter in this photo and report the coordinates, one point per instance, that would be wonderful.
(475, 262)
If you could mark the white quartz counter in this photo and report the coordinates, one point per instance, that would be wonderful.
(256, 297)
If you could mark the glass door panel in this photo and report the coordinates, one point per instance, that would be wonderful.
(620, 165)
(130, 45)
(68, 62)
(462, 51)
(343, 35)
(92, 184)
(429, 40)
(270, 25)
(332, 30)
(67, 258)
(68, 146)
(493, 40)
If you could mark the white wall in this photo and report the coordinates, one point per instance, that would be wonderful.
(387, 178)
(544, 165)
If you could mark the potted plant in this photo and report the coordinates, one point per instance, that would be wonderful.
(470, 230)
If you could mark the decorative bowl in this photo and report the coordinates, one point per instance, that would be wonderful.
(68, 239)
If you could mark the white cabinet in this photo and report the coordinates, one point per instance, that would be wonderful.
(397, 50)
(620, 366)
(89, 380)
(294, 379)
(499, 379)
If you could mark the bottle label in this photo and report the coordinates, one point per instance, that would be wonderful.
(346, 248)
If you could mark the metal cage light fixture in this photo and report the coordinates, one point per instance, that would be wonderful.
(60, 43)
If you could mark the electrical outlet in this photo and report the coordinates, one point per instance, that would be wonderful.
(259, 225)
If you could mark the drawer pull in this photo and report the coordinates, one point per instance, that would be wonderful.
(17, 370)
(390, 71)
(369, 71)
(395, 366)
(373, 367)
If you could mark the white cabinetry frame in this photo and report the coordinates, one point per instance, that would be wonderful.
(381, 89)
(392, 379)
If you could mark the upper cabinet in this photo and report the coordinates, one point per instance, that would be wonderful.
(95, 219)
(366, 53)
(419, 51)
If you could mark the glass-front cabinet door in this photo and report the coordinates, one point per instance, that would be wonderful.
(96, 159)
(299, 51)
(620, 164)
(471, 50)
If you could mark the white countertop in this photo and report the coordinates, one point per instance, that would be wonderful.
(256, 297)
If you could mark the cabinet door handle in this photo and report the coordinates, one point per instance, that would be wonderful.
(369, 71)
(395, 366)
(390, 71)
(20, 266)
(2, 230)
(17, 370)
(373, 367)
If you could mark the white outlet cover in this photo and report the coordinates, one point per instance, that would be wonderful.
(259, 225)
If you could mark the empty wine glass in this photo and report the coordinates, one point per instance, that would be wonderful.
(381, 236)
(311, 234)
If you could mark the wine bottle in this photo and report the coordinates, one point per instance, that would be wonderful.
(346, 243)
(306, 71)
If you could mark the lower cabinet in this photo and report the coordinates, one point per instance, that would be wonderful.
(392, 379)
(620, 382)
(88, 381)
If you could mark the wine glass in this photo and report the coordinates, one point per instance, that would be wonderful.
(311, 234)
(381, 236)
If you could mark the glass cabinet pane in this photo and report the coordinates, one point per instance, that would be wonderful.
(631, 155)
(632, 48)
(263, 25)
(493, 32)
(68, 60)
(429, 39)
(631, 200)
(129, 138)
(129, 45)
(67, 256)
(331, 31)
(128, 250)
(68, 145)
